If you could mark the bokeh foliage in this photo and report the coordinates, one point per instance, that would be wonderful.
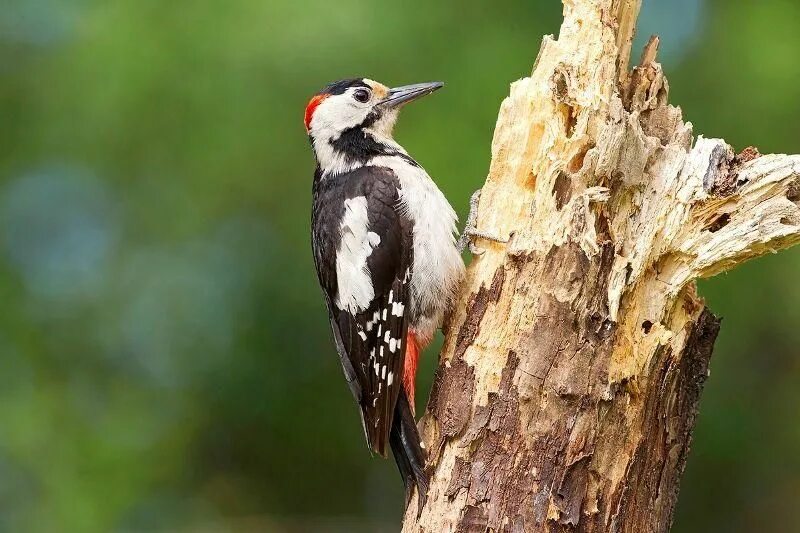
(164, 357)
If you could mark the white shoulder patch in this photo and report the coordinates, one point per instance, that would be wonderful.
(355, 291)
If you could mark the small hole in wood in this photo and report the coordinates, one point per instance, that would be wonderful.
(719, 223)
(793, 192)
(562, 189)
(602, 228)
(576, 163)
(560, 88)
(570, 121)
(647, 326)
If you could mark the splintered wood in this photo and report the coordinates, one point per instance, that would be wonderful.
(573, 365)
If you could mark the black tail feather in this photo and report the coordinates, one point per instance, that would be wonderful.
(408, 453)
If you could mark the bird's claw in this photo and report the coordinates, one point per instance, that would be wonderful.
(475, 250)
(471, 232)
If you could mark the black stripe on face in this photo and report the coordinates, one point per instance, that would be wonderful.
(339, 87)
(372, 118)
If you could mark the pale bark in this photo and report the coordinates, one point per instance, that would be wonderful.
(573, 365)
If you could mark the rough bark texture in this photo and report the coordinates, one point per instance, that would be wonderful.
(572, 369)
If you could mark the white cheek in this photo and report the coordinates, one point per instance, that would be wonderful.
(335, 115)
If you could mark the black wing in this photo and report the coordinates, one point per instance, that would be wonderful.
(370, 339)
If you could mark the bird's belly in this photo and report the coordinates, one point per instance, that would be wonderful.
(437, 268)
(435, 280)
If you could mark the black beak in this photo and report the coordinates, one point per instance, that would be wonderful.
(402, 95)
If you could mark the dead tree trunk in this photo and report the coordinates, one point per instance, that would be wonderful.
(569, 382)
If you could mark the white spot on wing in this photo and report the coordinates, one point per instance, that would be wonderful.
(371, 323)
(393, 345)
(373, 238)
(355, 290)
(390, 378)
(397, 309)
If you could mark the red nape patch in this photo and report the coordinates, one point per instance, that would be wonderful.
(311, 107)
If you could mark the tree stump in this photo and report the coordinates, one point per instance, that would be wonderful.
(572, 368)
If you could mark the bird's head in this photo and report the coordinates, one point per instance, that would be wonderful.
(349, 110)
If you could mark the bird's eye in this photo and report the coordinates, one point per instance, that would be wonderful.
(362, 95)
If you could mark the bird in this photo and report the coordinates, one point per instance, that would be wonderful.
(387, 256)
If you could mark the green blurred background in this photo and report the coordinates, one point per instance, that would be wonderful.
(165, 363)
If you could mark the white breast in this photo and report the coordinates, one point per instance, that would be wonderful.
(438, 268)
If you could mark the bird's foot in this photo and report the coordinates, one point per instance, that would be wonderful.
(471, 232)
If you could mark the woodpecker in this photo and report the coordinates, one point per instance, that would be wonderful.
(385, 250)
